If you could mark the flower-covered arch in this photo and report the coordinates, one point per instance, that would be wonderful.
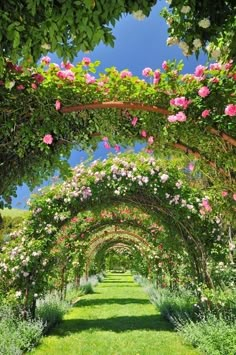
(139, 181)
(100, 244)
(167, 109)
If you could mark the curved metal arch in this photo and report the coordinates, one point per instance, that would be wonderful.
(140, 107)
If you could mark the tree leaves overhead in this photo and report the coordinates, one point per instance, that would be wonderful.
(31, 28)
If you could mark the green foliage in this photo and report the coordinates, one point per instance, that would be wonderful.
(208, 25)
(208, 323)
(9, 223)
(31, 29)
(28, 113)
(51, 310)
(17, 335)
(87, 288)
(212, 335)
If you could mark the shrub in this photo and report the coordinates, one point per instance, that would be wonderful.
(18, 335)
(212, 335)
(51, 310)
(87, 288)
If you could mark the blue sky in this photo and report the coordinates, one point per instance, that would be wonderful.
(138, 44)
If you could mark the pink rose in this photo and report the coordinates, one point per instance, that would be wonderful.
(180, 101)
(172, 119)
(205, 113)
(70, 75)
(125, 74)
(86, 61)
(230, 110)
(46, 60)
(117, 148)
(224, 193)
(199, 70)
(234, 196)
(20, 87)
(214, 80)
(134, 121)
(164, 65)
(157, 74)
(90, 79)
(143, 133)
(61, 74)
(67, 65)
(147, 72)
(48, 139)
(58, 105)
(191, 166)
(34, 86)
(215, 66)
(150, 140)
(107, 145)
(181, 117)
(204, 91)
(38, 77)
(229, 65)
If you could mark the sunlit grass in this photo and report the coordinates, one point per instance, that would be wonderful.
(117, 319)
(14, 212)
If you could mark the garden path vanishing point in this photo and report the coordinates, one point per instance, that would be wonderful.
(118, 319)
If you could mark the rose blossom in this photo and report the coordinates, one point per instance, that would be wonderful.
(199, 70)
(89, 79)
(204, 23)
(224, 193)
(164, 65)
(230, 110)
(20, 87)
(46, 60)
(134, 121)
(172, 118)
(86, 61)
(125, 73)
(204, 91)
(150, 140)
(58, 105)
(143, 133)
(181, 117)
(48, 139)
(67, 65)
(205, 113)
(146, 71)
(117, 148)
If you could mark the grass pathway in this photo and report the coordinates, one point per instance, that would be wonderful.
(116, 320)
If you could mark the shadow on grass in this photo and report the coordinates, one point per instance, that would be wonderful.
(107, 301)
(116, 324)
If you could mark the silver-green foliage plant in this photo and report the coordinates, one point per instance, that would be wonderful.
(212, 335)
(17, 335)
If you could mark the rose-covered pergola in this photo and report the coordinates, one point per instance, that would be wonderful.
(134, 192)
(47, 110)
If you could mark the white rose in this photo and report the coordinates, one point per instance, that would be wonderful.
(172, 41)
(197, 43)
(183, 45)
(138, 15)
(204, 23)
(185, 9)
(215, 53)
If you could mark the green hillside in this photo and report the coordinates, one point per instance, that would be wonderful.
(14, 212)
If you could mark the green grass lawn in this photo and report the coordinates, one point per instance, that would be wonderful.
(117, 319)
